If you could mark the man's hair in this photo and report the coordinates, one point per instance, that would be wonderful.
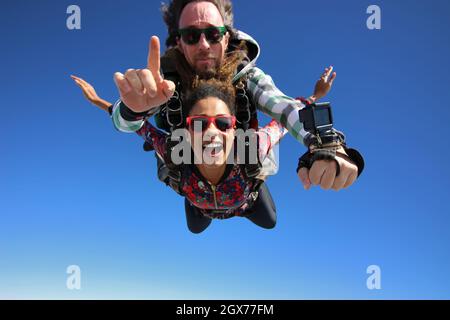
(172, 13)
(221, 86)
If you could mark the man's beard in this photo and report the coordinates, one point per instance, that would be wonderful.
(207, 73)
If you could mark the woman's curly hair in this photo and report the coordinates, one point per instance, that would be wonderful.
(172, 12)
(221, 86)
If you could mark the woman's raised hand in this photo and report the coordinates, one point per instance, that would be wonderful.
(144, 89)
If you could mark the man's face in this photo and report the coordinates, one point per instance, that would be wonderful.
(203, 56)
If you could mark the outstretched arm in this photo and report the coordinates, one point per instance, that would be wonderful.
(91, 95)
(323, 85)
(271, 101)
(154, 137)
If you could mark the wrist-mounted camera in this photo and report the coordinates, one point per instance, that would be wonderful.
(323, 140)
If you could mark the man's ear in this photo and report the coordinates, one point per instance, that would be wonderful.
(179, 45)
(227, 39)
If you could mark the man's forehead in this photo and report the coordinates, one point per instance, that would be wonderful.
(200, 14)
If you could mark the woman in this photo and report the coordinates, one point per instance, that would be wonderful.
(214, 187)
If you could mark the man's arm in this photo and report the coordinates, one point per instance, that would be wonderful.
(91, 95)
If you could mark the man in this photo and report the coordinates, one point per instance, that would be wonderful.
(202, 31)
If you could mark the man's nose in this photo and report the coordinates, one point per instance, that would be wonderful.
(203, 44)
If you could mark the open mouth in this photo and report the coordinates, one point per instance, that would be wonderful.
(213, 148)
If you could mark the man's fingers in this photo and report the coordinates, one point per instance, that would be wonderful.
(78, 83)
(122, 83)
(326, 74)
(303, 174)
(330, 70)
(333, 76)
(154, 58)
(148, 82)
(78, 79)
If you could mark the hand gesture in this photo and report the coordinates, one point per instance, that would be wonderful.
(325, 82)
(144, 89)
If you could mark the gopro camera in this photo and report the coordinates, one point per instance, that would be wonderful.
(317, 118)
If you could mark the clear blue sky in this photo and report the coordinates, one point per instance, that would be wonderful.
(75, 191)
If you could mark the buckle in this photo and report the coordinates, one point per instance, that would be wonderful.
(174, 110)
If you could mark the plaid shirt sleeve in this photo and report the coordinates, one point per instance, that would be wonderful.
(271, 101)
(125, 125)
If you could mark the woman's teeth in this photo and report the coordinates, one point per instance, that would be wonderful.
(213, 148)
(212, 145)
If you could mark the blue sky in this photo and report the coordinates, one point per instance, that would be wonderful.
(75, 191)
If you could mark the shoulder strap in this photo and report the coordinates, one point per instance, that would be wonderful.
(246, 113)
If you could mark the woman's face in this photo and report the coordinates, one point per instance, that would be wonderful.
(213, 145)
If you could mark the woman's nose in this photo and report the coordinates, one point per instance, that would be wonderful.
(212, 127)
(212, 131)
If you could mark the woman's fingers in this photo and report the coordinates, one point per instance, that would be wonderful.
(148, 82)
(154, 58)
(340, 181)
(134, 81)
(303, 175)
(351, 179)
(168, 88)
(317, 171)
(329, 175)
(122, 84)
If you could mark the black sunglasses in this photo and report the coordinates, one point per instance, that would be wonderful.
(192, 36)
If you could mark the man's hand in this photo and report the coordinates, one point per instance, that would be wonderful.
(90, 94)
(323, 86)
(144, 89)
(88, 90)
(323, 173)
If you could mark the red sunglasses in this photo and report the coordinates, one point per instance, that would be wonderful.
(223, 123)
